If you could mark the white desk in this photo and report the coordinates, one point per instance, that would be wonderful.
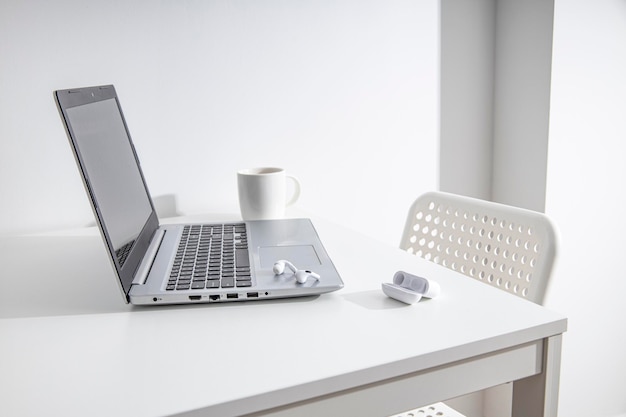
(75, 349)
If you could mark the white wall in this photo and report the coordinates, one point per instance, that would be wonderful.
(586, 197)
(344, 94)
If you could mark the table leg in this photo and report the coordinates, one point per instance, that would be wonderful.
(538, 395)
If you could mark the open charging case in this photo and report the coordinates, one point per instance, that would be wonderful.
(410, 288)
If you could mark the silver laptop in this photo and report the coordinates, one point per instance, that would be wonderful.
(176, 264)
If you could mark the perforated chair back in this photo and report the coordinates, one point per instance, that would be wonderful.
(507, 247)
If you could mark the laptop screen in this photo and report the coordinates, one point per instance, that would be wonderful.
(111, 173)
(115, 180)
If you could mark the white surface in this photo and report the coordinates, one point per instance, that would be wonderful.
(63, 353)
(586, 198)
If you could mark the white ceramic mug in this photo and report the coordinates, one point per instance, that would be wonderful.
(263, 193)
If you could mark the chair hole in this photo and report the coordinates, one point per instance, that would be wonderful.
(419, 215)
(416, 227)
(525, 292)
(431, 205)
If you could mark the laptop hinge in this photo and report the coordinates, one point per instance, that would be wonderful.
(146, 264)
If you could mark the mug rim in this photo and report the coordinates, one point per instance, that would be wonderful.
(261, 171)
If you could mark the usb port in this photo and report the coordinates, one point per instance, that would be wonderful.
(253, 295)
(232, 295)
(195, 297)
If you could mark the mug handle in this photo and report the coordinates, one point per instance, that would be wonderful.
(296, 190)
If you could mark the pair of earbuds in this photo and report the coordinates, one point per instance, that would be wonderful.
(302, 275)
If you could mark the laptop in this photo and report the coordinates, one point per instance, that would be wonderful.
(179, 264)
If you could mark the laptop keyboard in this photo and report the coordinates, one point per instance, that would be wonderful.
(211, 256)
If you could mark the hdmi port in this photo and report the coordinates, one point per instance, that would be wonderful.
(195, 297)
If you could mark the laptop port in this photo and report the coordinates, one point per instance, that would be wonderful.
(195, 297)
(231, 295)
(253, 295)
(214, 297)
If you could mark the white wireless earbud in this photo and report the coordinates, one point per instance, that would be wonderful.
(279, 267)
(301, 275)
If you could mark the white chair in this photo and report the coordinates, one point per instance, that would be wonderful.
(507, 247)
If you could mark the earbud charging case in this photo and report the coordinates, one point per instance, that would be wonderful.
(409, 288)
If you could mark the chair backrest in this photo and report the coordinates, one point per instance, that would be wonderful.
(507, 247)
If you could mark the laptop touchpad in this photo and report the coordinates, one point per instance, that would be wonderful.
(303, 256)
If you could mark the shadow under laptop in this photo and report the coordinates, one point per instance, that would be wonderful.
(71, 275)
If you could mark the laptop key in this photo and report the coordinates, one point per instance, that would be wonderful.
(228, 282)
(242, 258)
